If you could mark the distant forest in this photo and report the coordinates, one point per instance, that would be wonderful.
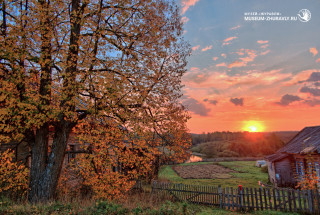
(239, 144)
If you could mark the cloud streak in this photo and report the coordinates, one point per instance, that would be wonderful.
(206, 48)
(235, 27)
(211, 101)
(310, 90)
(288, 99)
(186, 4)
(228, 40)
(194, 48)
(195, 106)
(221, 65)
(237, 101)
(262, 41)
(184, 19)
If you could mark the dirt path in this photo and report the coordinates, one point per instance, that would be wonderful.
(203, 171)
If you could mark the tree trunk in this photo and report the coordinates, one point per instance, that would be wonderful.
(45, 170)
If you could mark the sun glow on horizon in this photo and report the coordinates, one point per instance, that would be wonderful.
(253, 126)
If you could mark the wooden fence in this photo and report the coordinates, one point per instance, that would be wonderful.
(245, 199)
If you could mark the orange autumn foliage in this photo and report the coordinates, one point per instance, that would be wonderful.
(109, 72)
(13, 175)
(114, 158)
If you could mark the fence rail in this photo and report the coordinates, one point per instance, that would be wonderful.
(245, 199)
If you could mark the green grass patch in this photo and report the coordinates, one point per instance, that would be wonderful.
(247, 175)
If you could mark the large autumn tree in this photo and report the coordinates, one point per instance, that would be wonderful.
(108, 70)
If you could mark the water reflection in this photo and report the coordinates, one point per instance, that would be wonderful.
(194, 158)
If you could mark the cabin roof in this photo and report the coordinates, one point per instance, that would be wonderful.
(276, 157)
(306, 141)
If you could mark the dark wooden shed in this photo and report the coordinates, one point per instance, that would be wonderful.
(300, 156)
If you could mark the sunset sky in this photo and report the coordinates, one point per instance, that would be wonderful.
(245, 72)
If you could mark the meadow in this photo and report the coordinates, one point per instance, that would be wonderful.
(244, 173)
(143, 204)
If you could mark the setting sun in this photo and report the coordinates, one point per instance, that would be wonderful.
(253, 126)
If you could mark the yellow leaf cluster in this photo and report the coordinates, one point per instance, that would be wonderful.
(13, 175)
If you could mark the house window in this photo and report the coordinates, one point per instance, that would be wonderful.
(299, 168)
(310, 168)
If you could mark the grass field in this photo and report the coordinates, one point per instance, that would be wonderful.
(145, 205)
(247, 175)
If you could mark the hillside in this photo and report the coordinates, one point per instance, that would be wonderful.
(239, 144)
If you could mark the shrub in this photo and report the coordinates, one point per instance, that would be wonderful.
(264, 169)
(106, 207)
(13, 176)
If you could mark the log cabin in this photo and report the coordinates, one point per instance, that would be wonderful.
(300, 156)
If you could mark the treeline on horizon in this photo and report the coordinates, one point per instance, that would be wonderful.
(239, 144)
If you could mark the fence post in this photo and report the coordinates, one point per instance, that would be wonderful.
(310, 201)
(220, 196)
(152, 187)
(241, 198)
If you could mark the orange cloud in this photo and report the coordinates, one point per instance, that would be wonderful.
(215, 58)
(228, 40)
(237, 64)
(186, 4)
(262, 41)
(206, 48)
(221, 65)
(251, 55)
(223, 55)
(195, 47)
(184, 19)
(313, 51)
(240, 52)
(318, 60)
(235, 27)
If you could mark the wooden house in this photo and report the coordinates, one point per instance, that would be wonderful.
(300, 156)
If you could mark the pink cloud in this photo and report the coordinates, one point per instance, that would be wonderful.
(265, 52)
(228, 40)
(195, 47)
(184, 19)
(318, 60)
(186, 4)
(262, 41)
(206, 48)
(194, 69)
(240, 52)
(237, 64)
(257, 78)
(300, 77)
(215, 58)
(264, 46)
(313, 51)
(235, 27)
(251, 55)
(221, 65)
(223, 55)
